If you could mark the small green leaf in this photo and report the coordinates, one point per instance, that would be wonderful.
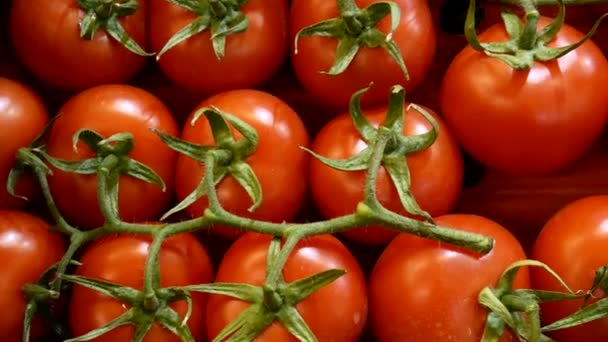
(200, 191)
(169, 319)
(362, 125)
(377, 11)
(194, 6)
(83, 167)
(470, 31)
(548, 32)
(120, 144)
(115, 29)
(246, 146)
(295, 324)
(121, 320)
(220, 129)
(252, 321)
(88, 137)
(197, 26)
(245, 292)
(118, 291)
(299, 290)
(194, 151)
(358, 162)
(245, 176)
(393, 50)
(220, 30)
(398, 170)
(328, 28)
(142, 172)
(487, 298)
(14, 175)
(595, 311)
(89, 25)
(513, 25)
(141, 330)
(348, 47)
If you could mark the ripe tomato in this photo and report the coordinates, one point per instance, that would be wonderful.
(120, 259)
(28, 249)
(110, 109)
(23, 115)
(422, 290)
(527, 122)
(337, 312)
(572, 243)
(251, 57)
(436, 173)
(278, 162)
(415, 37)
(53, 50)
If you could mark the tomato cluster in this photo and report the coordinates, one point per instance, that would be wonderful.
(121, 101)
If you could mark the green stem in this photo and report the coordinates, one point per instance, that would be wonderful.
(77, 240)
(274, 273)
(378, 147)
(152, 272)
(61, 224)
(108, 177)
(349, 12)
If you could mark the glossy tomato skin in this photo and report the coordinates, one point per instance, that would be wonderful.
(573, 243)
(278, 162)
(23, 115)
(415, 37)
(28, 249)
(251, 57)
(436, 173)
(121, 259)
(421, 290)
(110, 109)
(53, 50)
(530, 122)
(337, 312)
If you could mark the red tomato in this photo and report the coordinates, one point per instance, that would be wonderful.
(251, 57)
(28, 249)
(436, 173)
(278, 162)
(23, 115)
(120, 259)
(110, 109)
(527, 122)
(53, 50)
(422, 290)
(337, 312)
(415, 37)
(573, 244)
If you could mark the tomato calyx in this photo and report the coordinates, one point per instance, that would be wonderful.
(105, 14)
(527, 44)
(140, 314)
(41, 298)
(394, 157)
(356, 27)
(588, 312)
(230, 155)
(222, 17)
(274, 301)
(519, 309)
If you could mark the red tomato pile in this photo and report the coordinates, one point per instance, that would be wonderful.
(520, 157)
